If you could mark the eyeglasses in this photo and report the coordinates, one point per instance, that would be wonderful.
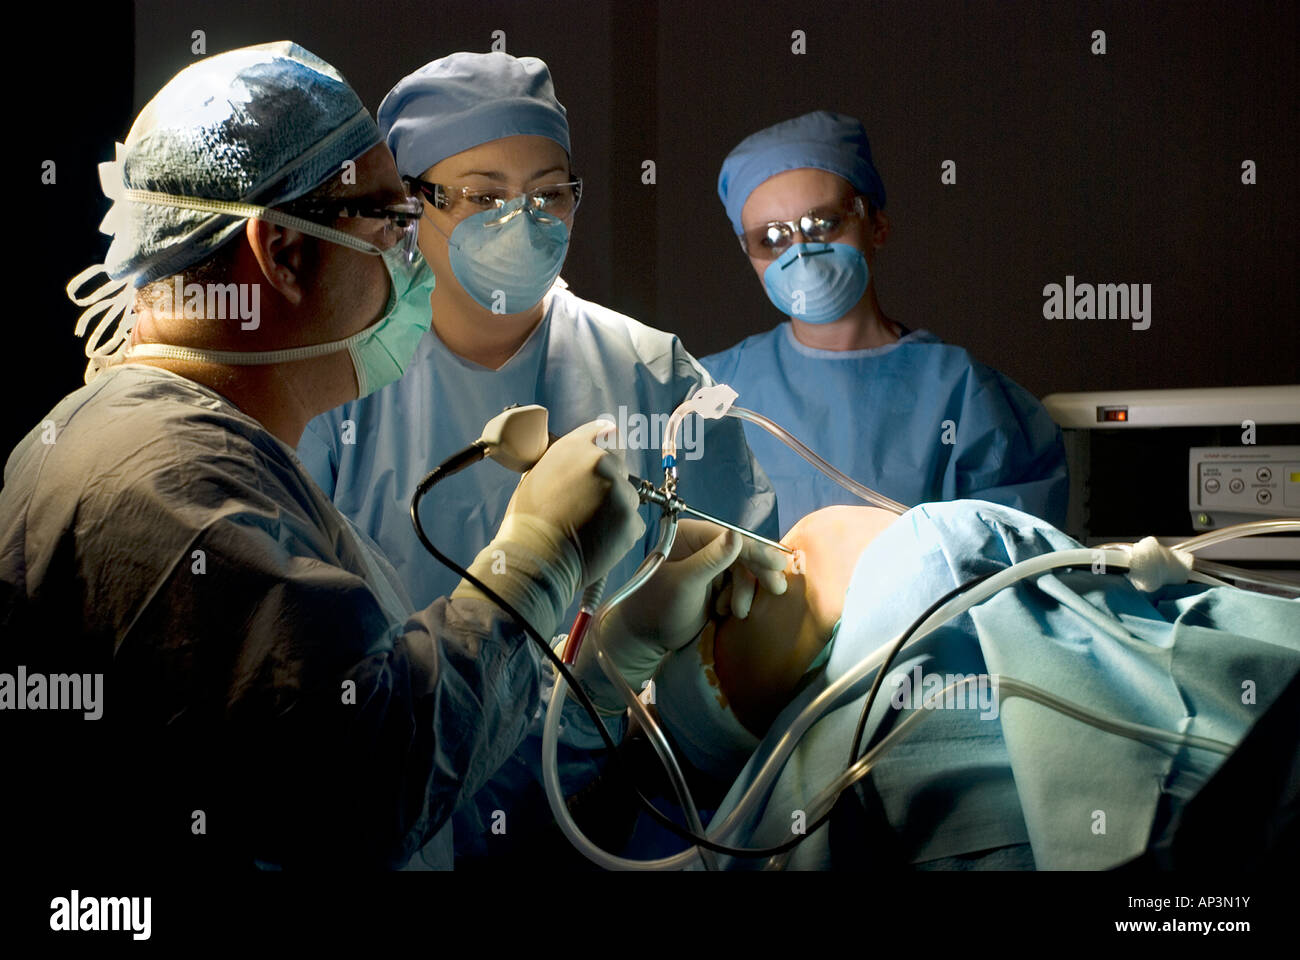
(819, 225)
(401, 220)
(550, 204)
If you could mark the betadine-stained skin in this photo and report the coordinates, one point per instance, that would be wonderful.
(760, 659)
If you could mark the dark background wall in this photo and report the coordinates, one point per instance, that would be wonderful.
(1117, 168)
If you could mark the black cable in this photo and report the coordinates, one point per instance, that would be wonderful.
(901, 642)
(460, 461)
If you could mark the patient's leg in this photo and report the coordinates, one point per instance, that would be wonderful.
(760, 660)
(719, 694)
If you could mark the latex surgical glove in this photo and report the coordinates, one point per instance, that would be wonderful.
(572, 517)
(670, 610)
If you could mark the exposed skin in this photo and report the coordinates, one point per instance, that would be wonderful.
(515, 164)
(312, 291)
(788, 196)
(759, 660)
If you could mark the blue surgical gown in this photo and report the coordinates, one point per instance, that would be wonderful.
(583, 361)
(917, 420)
(153, 529)
(1029, 787)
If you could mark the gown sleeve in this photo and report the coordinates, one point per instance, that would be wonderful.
(275, 681)
(1008, 450)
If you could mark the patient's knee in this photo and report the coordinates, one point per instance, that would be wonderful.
(760, 660)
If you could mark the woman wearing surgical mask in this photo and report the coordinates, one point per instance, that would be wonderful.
(914, 418)
(482, 139)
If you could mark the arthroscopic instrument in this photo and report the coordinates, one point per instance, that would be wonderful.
(711, 403)
(669, 503)
(649, 493)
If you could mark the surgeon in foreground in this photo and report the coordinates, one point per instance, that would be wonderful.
(271, 695)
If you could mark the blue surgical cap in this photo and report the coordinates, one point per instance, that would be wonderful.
(263, 125)
(821, 140)
(466, 99)
(260, 125)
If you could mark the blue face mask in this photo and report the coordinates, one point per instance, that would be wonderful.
(507, 258)
(817, 282)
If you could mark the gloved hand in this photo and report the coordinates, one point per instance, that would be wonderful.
(583, 491)
(671, 608)
(571, 518)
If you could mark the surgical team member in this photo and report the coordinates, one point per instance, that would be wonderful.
(913, 418)
(485, 142)
(270, 695)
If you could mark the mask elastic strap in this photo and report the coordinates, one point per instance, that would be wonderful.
(243, 358)
(445, 236)
(249, 211)
(113, 303)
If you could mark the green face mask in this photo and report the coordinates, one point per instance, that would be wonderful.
(380, 353)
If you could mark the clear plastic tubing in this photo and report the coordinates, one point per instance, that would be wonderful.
(655, 733)
(1247, 576)
(766, 775)
(830, 697)
(1239, 530)
(586, 610)
(841, 689)
(793, 442)
(1006, 687)
(560, 810)
(848, 483)
(550, 733)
